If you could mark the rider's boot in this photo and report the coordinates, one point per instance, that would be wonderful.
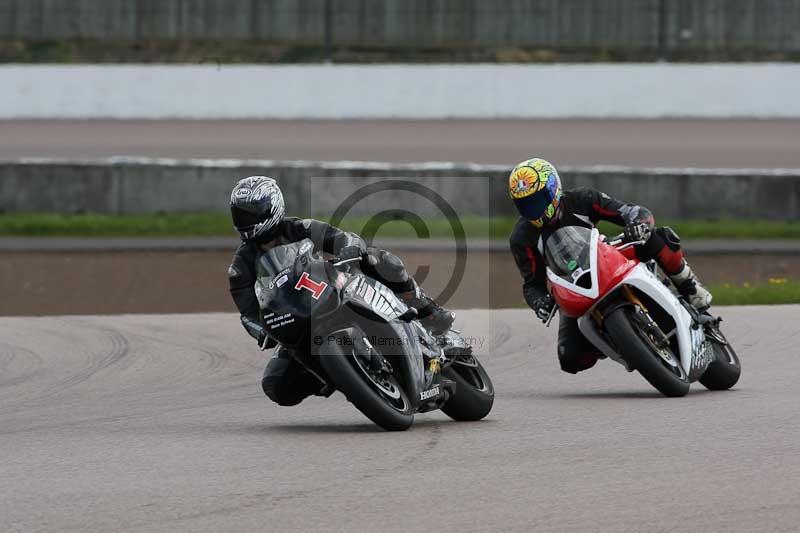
(435, 318)
(690, 288)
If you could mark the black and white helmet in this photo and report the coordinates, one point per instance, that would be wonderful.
(257, 207)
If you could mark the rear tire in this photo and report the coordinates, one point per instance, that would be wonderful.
(642, 357)
(349, 378)
(723, 373)
(474, 395)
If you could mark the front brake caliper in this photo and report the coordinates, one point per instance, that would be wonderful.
(651, 329)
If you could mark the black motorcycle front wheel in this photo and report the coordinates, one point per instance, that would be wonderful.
(474, 395)
(376, 394)
(664, 373)
(724, 372)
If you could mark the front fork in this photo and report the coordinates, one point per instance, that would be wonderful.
(628, 298)
(641, 315)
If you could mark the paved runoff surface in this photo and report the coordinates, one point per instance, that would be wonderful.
(157, 422)
(664, 143)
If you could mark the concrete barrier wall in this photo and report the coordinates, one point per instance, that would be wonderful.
(159, 185)
(401, 91)
(668, 25)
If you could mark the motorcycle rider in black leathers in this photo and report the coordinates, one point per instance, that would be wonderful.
(258, 212)
(535, 188)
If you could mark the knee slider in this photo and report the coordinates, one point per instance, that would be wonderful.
(575, 362)
(566, 360)
(277, 391)
(568, 364)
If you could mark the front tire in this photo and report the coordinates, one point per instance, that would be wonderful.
(392, 411)
(724, 372)
(474, 395)
(643, 357)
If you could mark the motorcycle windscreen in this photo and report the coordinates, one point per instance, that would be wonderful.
(568, 254)
(290, 279)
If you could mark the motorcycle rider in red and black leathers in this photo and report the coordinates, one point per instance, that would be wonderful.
(258, 212)
(535, 188)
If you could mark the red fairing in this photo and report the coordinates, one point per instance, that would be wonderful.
(629, 253)
(570, 303)
(612, 267)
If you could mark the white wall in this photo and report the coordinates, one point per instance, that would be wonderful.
(400, 91)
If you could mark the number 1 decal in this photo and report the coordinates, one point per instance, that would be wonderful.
(316, 287)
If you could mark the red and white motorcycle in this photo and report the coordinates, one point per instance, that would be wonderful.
(631, 313)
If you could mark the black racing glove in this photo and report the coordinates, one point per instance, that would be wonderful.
(257, 331)
(637, 231)
(350, 252)
(543, 306)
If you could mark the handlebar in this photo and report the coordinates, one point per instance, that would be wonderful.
(337, 262)
(618, 242)
(615, 240)
(552, 314)
(365, 256)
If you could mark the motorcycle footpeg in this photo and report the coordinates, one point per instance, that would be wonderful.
(707, 319)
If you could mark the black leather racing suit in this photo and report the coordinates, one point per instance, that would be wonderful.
(286, 381)
(585, 207)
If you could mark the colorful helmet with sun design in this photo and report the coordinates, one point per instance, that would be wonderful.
(535, 188)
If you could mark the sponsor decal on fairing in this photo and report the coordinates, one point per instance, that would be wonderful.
(430, 393)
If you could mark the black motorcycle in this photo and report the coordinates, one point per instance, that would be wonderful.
(353, 334)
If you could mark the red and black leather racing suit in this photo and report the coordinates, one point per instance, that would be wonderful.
(585, 207)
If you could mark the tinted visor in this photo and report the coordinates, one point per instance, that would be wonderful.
(244, 220)
(534, 207)
(251, 227)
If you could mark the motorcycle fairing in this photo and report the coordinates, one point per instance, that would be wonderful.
(605, 267)
(373, 295)
(642, 279)
(385, 309)
(286, 307)
(591, 292)
(293, 314)
(278, 272)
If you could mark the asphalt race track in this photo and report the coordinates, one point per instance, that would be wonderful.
(664, 143)
(155, 423)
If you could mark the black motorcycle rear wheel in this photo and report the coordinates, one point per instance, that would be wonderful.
(379, 397)
(643, 356)
(724, 372)
(474, 395)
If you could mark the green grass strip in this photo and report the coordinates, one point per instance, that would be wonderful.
(96, 225)
(775, 291)
(219, 224)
